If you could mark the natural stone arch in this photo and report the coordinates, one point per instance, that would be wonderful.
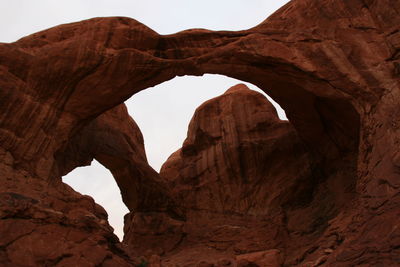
(83, 69)
(115, 141)
(342, 62)
(112, 58)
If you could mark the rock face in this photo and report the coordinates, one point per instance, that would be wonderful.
(333, 65)
(238, 157)
(239, 166)
(244, 176)
(42, 225)
(238, 174)
(48, 224)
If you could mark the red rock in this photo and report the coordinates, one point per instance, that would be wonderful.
(224, 262)
(237, 156)
(205, 264)
(116, 142)
(155, 261)
(269, 258)
(152, 233)
(230, 171)
(57, 227)
(333, 65)
(65, 226)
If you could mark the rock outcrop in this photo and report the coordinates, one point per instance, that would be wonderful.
(54, 225)
(333, 65)
(239, 173)
(244, 176)
(239, 157)
(114, 140)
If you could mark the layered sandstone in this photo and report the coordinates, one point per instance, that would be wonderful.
(238, 157)
(244, 176)
(237, 172)
(115, 140)
(239, 167)
(333, 65)
(54, 225)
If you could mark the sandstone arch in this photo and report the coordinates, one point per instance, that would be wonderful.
(333, 65)
(287, 64)
(116, 142)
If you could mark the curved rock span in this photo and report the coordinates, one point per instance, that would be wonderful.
(332, 195)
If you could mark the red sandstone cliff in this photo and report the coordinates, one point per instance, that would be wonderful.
(333, 65)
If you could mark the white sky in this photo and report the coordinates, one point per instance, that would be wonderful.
(162, 112)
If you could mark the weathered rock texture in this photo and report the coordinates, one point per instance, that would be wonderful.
(333, 65)
(115, 141)
(52, 225)
(46, 223)
(239, 173)
(239, 157)
(243, 175)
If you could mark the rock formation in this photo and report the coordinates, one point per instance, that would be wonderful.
(333, 65)
(115, 141)
(52, 225)
(239, 157)
(48, 223)
(237, 172)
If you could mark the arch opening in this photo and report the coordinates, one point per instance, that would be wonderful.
(324, 78)
(133, 196)
(323, 116)
(329, 182)
(101, 141)
(97, 181)
(164, 111)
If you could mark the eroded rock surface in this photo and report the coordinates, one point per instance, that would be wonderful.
(52, 225)
(238, 157)
(244, 176)
(229, 175)
(115, 140)
(237, 169)
(46, 223)
(333, 65)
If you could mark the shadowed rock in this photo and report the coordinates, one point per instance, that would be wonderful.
(331, 64)
(238, 157)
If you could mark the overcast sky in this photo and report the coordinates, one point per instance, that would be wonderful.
(162, 112)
